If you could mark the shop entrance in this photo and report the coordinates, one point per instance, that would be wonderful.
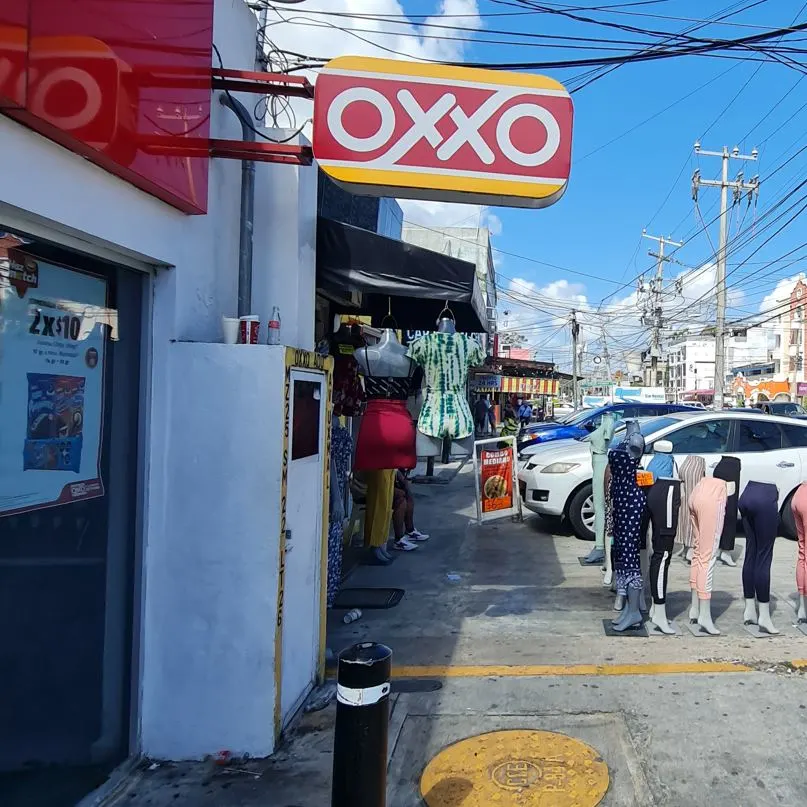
(70, 380)
(303, 561)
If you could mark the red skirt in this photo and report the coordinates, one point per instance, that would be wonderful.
(386, 437)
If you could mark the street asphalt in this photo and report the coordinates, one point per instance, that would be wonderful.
(501, 629)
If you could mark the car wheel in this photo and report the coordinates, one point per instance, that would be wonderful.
(787, 520)
(581, 513)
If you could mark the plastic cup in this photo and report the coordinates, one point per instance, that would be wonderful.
(249, 327)
(229, 327)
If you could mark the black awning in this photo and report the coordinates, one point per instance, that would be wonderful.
(413, 282)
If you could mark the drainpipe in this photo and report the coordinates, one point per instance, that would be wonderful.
(247, 209)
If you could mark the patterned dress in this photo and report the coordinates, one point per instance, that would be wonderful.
(341, 449)
(628, 505)
(445, 359)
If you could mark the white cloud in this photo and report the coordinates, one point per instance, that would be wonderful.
(773, 301)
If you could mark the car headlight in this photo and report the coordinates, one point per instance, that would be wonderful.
(561, 467)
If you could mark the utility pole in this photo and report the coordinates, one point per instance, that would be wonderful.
(575, 331)
(739, 186)
(656, 309)
(606, 355)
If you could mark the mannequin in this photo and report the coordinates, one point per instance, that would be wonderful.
(759, 507)
(608, 576)
(628, 503)
(707, 506)
(692, 470)
(386, 438)
(348, 394)
(445, 357)
(799, 506)
(663, 505)
(599, 442)
(729, 469)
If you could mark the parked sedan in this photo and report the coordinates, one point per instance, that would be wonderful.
(556, 480)
(587, 420)
(787, 408)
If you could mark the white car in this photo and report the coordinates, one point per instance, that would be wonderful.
(556, 479)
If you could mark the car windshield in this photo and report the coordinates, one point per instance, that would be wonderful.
(787, 409)
(583, 414)
(646, 427)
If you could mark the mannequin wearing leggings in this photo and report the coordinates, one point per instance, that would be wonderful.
(799, 506)
(663, 504)
(707, 507)
(728, 469)
(759, 507)
(691, 472)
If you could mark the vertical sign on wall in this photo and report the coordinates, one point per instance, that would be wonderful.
(53, 324)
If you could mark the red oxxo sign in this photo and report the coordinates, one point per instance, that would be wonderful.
(390, 128)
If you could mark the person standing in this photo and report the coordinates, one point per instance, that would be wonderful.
(524, 413)
(481, 408)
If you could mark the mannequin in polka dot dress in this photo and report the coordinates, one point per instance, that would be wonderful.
(628, 503)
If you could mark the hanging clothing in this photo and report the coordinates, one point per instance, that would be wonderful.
(707, 506)
(759, 507)
(628, 506)
(378, 513)
(728, 469)
(598, 443)
(445, 359)
(663, 505)
(662, 466)
(799, 506)
(609, 506)
(348, 393)
(692, 470)
(341, 450)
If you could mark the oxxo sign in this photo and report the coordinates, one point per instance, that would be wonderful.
(391, 128)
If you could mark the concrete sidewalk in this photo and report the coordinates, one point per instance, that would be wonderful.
(502, 629)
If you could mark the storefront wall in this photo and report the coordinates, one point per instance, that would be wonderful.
(208, 483)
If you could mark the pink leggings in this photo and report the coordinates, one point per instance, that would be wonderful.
(799, 506)
(707, 509)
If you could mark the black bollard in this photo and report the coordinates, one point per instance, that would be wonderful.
(362, 722)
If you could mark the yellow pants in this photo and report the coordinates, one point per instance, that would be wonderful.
(380, 489)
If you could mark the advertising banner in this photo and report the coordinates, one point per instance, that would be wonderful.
(497, 492)
(801, 388)
(52, 360)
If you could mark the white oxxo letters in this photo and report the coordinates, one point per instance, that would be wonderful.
(424, 126)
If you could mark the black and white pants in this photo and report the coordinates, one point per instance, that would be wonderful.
(663, 505)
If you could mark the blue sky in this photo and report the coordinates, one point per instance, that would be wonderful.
(628, 172)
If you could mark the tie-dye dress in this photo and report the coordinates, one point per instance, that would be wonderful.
(445, 359)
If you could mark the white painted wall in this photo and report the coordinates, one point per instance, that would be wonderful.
(213, 574)
(211, 512)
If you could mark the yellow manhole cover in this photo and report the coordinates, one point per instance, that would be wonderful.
(519, 768)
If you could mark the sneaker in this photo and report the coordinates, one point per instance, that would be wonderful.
(417, 535)
(403, 545)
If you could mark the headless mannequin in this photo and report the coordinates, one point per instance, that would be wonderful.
(599, 443)
(387, 359)
(658, 611)
(700, 610)
(426, 445)
(799, 507)
(629, 501)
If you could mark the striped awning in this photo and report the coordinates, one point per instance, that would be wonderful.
(513, 385)
(530, 386)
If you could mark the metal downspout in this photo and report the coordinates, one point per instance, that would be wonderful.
(247, 209)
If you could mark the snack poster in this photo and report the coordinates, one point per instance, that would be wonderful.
(54, 326)
(497, 480)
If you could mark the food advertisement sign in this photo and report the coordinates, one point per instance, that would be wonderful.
(52, 360)
(497, 480)
(385, 127)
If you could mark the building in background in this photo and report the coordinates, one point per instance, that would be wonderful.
(470, 244)
(691, 360)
